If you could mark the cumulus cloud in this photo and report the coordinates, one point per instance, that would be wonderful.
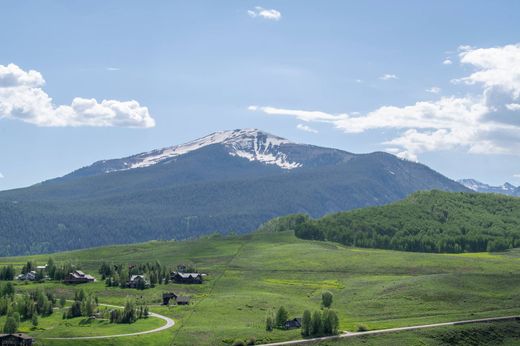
(270, 14)
(487, 122)
(388, 76)
(433, 90)
(23, 98)
(306, 128)
(447, 61)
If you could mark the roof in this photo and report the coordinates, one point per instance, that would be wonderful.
(18, 335)
(134, 277)
(188, 275)
(182, 299)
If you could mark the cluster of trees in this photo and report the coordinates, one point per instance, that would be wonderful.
(432, 221)
(84, 305)
(53, 271)
(119, 274)
(131, 312)
(324, 322)
(24, 306)
(7, 273)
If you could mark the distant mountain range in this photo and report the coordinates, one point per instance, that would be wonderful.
(505, 189)
(226, 181)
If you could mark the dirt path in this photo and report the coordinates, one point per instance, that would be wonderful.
(390, 330)
(169, 323)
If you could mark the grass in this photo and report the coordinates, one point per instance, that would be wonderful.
(251, 276)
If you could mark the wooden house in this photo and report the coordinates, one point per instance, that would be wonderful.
(16, 339)
(78, 277)
(293, 324)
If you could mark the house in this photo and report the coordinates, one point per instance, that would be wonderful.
(187, 278)
(42, 267)
(137, 281)
(78, 277)
(293, 324)
(166, 297)
(182, 300)
(16, 339)
(30, 276)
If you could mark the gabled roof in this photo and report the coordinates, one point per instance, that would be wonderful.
(18, 335)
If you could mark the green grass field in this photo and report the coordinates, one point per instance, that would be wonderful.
(252, 275)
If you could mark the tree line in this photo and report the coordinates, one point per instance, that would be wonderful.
(118, 275)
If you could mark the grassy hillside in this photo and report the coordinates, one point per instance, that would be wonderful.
(252, 275)
(431, 221)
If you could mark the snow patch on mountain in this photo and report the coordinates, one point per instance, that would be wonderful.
(477, 186)
(250, 144)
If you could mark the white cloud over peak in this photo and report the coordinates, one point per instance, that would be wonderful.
(22, 98)
(388, 76)
(487, 122)
(270, 14)
(306, 128)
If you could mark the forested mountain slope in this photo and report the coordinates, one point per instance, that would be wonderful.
(432, 221)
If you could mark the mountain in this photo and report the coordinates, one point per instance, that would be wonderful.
(426, 221)
(505, 189)
(227, 181)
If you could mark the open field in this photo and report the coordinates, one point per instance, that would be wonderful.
(252, 275)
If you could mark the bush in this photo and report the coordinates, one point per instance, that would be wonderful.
(326, 299)
(239, 343)
(251, 341)
(362, 328)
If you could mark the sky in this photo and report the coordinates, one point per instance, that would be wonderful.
(436, 82)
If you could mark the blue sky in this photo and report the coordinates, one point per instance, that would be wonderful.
(204, 66)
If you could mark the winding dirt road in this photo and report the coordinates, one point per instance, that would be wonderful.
(169, 323)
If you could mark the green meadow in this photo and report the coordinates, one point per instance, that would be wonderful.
(251, 276)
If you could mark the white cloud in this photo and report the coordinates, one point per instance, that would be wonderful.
(485, 123)
(270, 14)
(516, 175)
(388, 76)
(1, 175)
(513, 106)
(306, 128)
(447, 61)
(22, 98)
(113, 69)
(433, 90)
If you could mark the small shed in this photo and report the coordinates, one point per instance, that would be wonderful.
(293, 324)
(182, 300)
(166, 297)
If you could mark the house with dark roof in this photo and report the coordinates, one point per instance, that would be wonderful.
(138, 281)
(16, 339)
(293, 324)
(187, 278)
(78, 277)
(30, 276)
(166, 297)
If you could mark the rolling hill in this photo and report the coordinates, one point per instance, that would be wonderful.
(427, 221)
(226, 181)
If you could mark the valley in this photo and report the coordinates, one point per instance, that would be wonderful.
(252, 275)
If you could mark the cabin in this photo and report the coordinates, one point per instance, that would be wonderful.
(187, 278)
(138, 281)
(30, 276)
(182, 300)
(166, 297)
(293, 324)
(16, 339)
(78, 277)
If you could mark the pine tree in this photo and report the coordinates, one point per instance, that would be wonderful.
(316, 323)
(10, 326)
(281, 317)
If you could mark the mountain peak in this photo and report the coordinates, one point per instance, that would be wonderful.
(475, 185)
(251, 144)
